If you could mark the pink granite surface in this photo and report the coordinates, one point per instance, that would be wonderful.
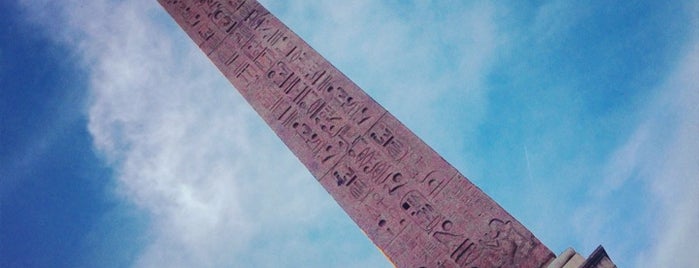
(418, 209)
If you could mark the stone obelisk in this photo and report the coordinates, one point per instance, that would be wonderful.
(418, 209)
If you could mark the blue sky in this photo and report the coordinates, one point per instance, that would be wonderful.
(121, 144)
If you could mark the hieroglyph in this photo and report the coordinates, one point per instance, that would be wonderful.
(418, 209)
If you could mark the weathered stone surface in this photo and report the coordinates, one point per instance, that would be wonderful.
(568, 259)
(408, 200)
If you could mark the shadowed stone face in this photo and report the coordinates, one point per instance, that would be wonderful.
(409, 201)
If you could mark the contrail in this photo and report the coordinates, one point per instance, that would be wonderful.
(526, 156)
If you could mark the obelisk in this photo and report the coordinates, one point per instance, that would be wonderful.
(418, 209)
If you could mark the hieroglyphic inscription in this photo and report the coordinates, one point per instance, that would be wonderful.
(410, 202)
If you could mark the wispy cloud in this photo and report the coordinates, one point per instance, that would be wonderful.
(420, 60)
(221, 190)
(660, 156)
(673, 174)
(192, 154)
(218, 186)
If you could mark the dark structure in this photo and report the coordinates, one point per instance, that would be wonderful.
(418, 209)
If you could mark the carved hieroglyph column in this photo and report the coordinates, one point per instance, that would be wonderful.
(418, 209)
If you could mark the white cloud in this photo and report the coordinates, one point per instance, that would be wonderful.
(661, 156)
(219, 187)
(674, 172)
(421, 60)
(221, 190)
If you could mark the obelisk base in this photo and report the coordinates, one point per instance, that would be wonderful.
(571, 259)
